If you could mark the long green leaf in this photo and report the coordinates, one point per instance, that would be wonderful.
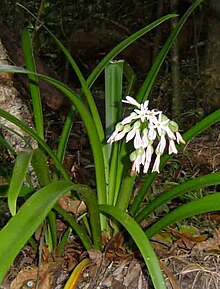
(141, 241)
(122, 45)
(40, 166)
(20, 227)
(205, 204)
(6, 145)
(113, 93)
(85, 193)
(64, 137)
(148, 83)
(113, 96)
(200, 182)
(18, 176)
(33, 81)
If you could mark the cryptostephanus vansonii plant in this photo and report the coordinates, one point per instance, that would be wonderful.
(146, 136)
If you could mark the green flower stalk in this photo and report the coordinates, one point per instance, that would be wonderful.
(146, 128)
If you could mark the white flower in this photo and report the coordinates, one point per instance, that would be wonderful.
(161, 145)
(179, 138)
(149, 152)
(148, 156)
(138, 158)
(131, 100)
(156, 166)
(129, 118)
(119, 127)
(137, 139)
(152, 134)
(131, 134)
(142, 112)
(170, 133)
(145, 140)
(159, 124)
(151, 115)
(172, 147)
(146, 167)
(139, 113)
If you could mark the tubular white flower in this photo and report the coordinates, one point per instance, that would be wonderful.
(152, 134)
(146, 167)
(131, 100)
(179, 138)
(161, 145)
(137, 139)
(138, 158)
(148, 156)
(149, 152)
(172, 147)
(129, 118)
(144, 139)
(131, 134)
(170, 133)
(156, 166)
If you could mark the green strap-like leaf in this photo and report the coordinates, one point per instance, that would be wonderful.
(200, 182)
(85, 193)
(141, 241)
(40, 166)
(122, 45)
(33, 81)
(20, 227)
(149, 81)
(205, 204)
(18, 176)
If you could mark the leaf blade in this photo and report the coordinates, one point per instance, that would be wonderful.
(19, 173)
(20, 227)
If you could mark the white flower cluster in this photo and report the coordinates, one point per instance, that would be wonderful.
(145, 126)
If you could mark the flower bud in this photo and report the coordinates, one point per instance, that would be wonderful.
(173, 126)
